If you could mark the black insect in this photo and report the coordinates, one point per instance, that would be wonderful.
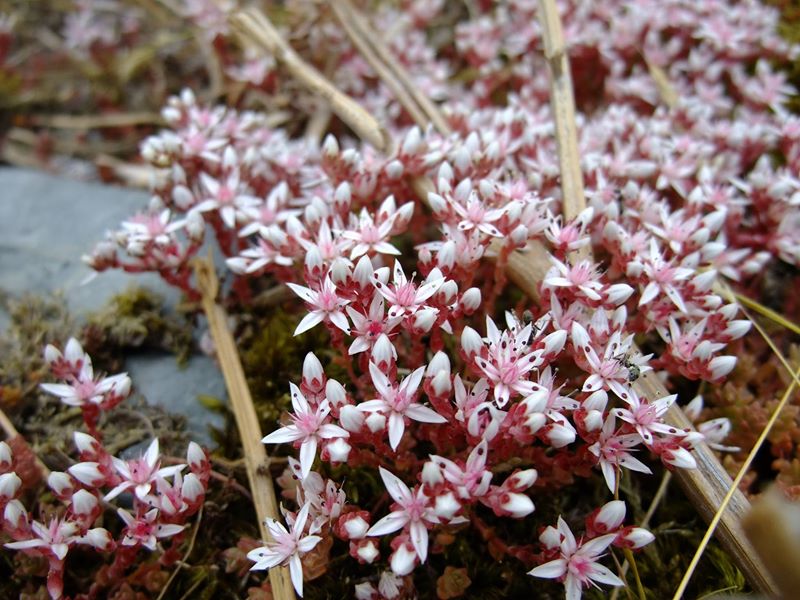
(634, 371)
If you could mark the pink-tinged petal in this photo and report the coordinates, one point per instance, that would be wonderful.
(26, 544)
(419, 539)
(427, 290)
(572, 586)
(284, 435)
(312, 319)
(169, 471)
(264, 558)
(58, 389)
(60, 550)
(126, 517)
(602, 574)
(330, 430)
(308, 543)
(301, 518)
(397, 427)
(142, 490)
(592, 383)
(373, 406)
(568, 544)
(338, 319)
(386, 248)
(308, 451)
(305, 293)
(296, 571)
(649, 293)
(151, 456)
(360, 344)
(596, 546)
(299, 402)
(421, 413)
(411, 383)
(168, 530)
(392, 522)
(117, 490)
(380, 381)
(550, 570)
(396, 488)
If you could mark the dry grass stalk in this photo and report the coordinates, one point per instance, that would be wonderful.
(255, 454)
(98, 121)
(360, 32)
(705, 486)
(254, 26)
(773, 526)
(562, 101)
(343, 13)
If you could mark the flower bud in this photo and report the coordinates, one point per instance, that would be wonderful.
(438, 205)
(342, 197)
(15, 514)
(341, 271)
(88, 473)
(609, 517)
(431, 474)
(99, 538)
(6, 457)
(85, 443)
(375, 422)
(196, 457)
(51, 354)
(471, 342)
(521, 480)
(446, 506)
(84, 503)
(367, 551)
(394, 170)
(517, 505)
(446, 256)
(191, 488)
(339, 450)
(9, 485)
(424, 319)
(403, 560)
(354, 526)
(335, 394)
(550, 537)
(330, 147)
(721, 366)
(313, 375)
(441, 383)
(411, 142)
(634, 537)
(61, 484)
(363, 272)
(471, 300)
(383, 352)
(351, 418)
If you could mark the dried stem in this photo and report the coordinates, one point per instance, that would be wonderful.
(256, 459)
(343, 12)
(251, 24)
(371, 46)
(563, 105)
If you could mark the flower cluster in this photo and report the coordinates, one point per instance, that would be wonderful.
(451, 409)
(159, 500)
(81, 388)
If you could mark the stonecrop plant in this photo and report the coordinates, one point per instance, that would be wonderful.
(461, 396)
(155, 501)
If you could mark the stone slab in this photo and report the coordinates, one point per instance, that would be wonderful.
(46, 224)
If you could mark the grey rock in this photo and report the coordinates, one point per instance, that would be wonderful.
(46, 224)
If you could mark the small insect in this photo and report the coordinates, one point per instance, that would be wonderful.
(634, 371)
